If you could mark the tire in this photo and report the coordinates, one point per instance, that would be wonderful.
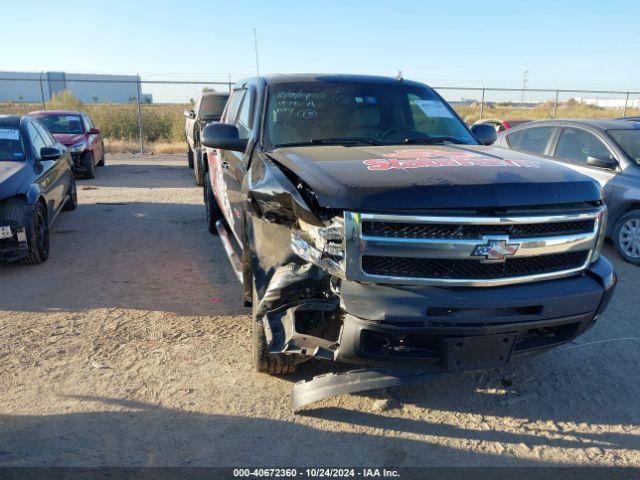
(198, 169)
(37, 236)
(213, 211)
(189, 156)
(262, 360)
(626, 237)
(101, 162)
(89, 165)
(72, 197)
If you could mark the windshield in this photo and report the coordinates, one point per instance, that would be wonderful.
(10, 145)
(62, 123)
(368, 113)
(213, 105)
(629, 141)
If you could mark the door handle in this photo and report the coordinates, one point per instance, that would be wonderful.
(224, 164)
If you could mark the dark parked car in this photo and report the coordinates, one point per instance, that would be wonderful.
(606, 150)
(208, 108)
(501, 125)
(629, 119)
(79, 134)
(370, 226)
(36, 183)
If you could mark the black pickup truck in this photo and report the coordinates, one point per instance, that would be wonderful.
(208, 108)
(370, 226)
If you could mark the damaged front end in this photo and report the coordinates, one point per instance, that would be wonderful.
(297, 258)
(405, 296)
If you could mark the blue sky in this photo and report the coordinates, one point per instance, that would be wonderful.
(587, 43)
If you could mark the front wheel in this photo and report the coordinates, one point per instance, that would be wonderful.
(212, 209)
(626, 237)
(189, 156)
(89, 165)
(198, 168)
(262, 360)
(37, 236)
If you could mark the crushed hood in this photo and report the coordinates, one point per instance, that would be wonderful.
(393, 178)
(12, 177)
(69, 138)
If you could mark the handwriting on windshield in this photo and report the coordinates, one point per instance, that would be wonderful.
(298, 102)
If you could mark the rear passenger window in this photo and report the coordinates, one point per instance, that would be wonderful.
(531, 140)
(576, 145)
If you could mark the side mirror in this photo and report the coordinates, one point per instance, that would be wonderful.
(223, 136)
(50, 153)
(94, 131)
(485, 134)
(190, 114)
(602, 162)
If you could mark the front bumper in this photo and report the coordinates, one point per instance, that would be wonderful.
(13, 242)
(430, 328)
(433, 328)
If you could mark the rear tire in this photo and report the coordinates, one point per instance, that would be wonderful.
(37, 236)
(189, 156)
(72, 196)
(263, 361)
(626, 237)
(213, 211)
(89, 165)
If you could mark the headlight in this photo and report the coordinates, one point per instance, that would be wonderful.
(78, 147)
(322, 246)
(602, 230)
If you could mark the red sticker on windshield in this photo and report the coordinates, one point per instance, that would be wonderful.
(421, 158)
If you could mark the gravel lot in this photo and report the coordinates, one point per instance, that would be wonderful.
(130, 347)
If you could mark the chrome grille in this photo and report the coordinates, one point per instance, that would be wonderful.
(416, 230)
(468, 251)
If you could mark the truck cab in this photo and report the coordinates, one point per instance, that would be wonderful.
(369, 225)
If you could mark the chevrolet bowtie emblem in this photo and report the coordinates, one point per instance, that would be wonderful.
(495, 250)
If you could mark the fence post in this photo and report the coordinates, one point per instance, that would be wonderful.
(626, 100)
(42, 91)
(482, 104)
(555, 105)
(139, 113)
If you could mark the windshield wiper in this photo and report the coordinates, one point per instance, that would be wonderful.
(330, 141)
(430, 140)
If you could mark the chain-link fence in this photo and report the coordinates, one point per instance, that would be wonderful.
(146, 115)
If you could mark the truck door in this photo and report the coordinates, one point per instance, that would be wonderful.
(232, 165)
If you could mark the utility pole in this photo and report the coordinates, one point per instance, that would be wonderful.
(255, 46)
(524, 84)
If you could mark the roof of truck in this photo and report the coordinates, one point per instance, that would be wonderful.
(320, 77)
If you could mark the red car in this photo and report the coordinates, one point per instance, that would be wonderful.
(76, 131)
(501, 124)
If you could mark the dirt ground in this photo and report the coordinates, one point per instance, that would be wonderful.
(130, 347)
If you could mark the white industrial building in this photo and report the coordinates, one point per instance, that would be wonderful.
(618, 103)
(35, 87)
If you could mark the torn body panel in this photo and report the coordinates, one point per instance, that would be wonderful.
(293, 289)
